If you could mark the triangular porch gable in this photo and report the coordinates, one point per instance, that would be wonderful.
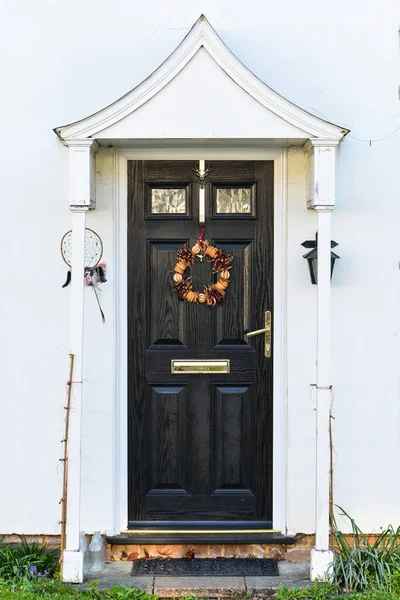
(202, 91)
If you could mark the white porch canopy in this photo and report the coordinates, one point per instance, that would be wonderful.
(202, 95)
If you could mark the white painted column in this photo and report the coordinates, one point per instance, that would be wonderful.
(81, 199)
(322, 200)
(322, 555)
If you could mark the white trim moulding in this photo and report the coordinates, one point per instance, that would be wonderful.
(279, 156)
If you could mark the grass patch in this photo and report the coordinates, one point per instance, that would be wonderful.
(56, 590)
(324, 591)
(332, 592)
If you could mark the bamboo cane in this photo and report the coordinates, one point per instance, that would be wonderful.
(64, 460)
(331, 480)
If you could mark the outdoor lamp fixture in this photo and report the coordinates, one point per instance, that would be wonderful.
(312, 257)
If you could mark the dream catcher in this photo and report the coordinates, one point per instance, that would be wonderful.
(95, 271)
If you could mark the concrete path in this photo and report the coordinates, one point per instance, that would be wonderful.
(290, 575)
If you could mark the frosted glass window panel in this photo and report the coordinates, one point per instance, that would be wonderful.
(233, 201)
(168, 201)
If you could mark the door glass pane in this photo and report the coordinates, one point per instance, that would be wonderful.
(233, 200)
(168, 201)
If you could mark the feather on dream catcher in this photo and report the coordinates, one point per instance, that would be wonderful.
(95, 271)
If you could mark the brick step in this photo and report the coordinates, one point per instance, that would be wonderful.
(132, 545)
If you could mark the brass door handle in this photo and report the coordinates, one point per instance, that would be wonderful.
(267, 331)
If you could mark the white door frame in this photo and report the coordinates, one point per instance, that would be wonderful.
(279, 156)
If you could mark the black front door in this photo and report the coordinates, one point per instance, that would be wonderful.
(200, 445)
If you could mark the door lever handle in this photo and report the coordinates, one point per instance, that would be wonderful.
(257, 332)
(267, 331)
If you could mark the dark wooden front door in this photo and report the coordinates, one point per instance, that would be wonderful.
(199, 446)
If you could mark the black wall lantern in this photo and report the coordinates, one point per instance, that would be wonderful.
(312, 257)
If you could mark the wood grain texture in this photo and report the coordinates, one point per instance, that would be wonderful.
(167, 438)
(165, 324)
(231, 437)
(230, 323)
(200, 446)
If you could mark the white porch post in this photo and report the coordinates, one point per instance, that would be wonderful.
(81, 199)
(322, 199)
(322, 555)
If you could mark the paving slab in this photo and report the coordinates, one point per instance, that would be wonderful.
(272, 583)
(120, 573)
(142, 583)
(294, 574)
(293, 569)
(291, 574)
(216, 587)
(259, 582)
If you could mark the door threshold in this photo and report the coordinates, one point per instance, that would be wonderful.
(215, 536)
(199, 531)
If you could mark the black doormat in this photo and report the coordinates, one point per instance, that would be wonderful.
(217, 567)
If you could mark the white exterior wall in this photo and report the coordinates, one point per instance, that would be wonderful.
(63, 63)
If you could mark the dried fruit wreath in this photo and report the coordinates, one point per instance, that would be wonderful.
(213, 293)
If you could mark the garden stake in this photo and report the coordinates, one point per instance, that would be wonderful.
(331, 517)
(63, 500)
